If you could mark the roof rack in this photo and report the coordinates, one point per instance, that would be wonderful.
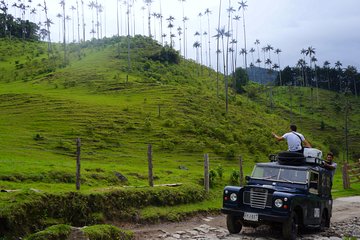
(311, 156)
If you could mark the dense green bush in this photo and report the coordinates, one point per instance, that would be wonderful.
(79, 209)
(107, 232)
(56, 232)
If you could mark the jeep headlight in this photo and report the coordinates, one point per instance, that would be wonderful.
(278, 203)
(233, 197)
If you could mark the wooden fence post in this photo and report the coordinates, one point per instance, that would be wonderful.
(345, 175)
(150, 166)
(241, 172)
(78, 149)
(206, 173)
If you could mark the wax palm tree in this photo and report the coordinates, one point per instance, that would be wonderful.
(257, 43)
(252, 50)
(302, 64)
(258, 61)
(143, 8)
(184, 26)
(179, 30)
(310, 51)
(243, 6)
(233, 44)
(78, 20)
(92, 6)
(48, 23)
(268, 62)
(351, 74)
(100, 9)
(230, 10)
(170, 20)
(201, 40)
(68, 19)
(208, 13)
(218, 49)
(243, 53)
(196, 45)
(160, 17)
(278, 51)
(62, 3)
(33, 12)
(154, 15)
(83, 20)
(338, 66)
(73, 8)
(326, 66)
(263, 49)
(59, 16)
(185, 19)
(221, 33)
(97, 19)
(268, 49)
(148, 4)
(236, 19)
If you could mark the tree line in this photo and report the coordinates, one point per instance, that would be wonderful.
(18, 28)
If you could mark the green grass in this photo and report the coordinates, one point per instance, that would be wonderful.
(46, 107)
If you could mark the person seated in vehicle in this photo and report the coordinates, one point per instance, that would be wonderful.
(329, 164)
(294, 140)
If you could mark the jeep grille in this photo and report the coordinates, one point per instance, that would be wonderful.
(257, 198)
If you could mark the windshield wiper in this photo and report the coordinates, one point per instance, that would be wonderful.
(287, 180)
(269, 177)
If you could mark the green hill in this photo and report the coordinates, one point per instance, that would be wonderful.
(117, 109)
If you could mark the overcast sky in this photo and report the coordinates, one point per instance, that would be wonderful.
(331, 27)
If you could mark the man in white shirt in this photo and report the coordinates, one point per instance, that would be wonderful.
(294, 140)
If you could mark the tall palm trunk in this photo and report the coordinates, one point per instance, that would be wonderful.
(64, 29)
(78, 20)
(161, 25)
(48, 29)
(97, 19)
(209, 42)
(149, 19)
(128, 39)
(83, 20)
(218, 52)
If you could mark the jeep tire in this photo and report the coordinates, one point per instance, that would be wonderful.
(325, 222)
(233, 224)
(290, 227)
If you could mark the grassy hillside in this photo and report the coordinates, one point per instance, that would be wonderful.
(117, 112)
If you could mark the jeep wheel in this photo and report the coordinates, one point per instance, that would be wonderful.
(233, 224)
(290, 228)
(325, 222)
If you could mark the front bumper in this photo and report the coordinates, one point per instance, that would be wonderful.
(263, 217)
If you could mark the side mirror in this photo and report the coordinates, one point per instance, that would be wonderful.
(247, 178)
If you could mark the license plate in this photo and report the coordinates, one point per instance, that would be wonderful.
(251, 216)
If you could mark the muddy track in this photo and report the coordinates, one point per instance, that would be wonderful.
(344, 222)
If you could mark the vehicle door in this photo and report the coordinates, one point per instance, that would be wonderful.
(313, 208)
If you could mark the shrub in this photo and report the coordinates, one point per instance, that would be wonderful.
(107, 232)
(57, 232)
(220, 171)
(212, 177)
(235, 177)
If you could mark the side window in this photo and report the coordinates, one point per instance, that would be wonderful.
(314, 183)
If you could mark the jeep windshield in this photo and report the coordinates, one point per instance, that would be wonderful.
(281, 174)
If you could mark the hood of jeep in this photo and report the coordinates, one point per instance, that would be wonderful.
(275, 188)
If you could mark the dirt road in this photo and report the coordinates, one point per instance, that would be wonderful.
(344, 222)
